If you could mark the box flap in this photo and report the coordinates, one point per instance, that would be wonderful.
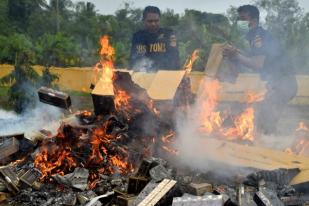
(165, 84)
(103, 88)
(143, 79)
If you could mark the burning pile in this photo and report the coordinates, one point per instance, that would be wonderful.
(101, 147)
(97, 152)
(213, 120)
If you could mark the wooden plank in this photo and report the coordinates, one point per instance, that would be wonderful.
(160, 191)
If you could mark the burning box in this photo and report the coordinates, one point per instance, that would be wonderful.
(165, 84)
(169, 89)
(11, 178)
(54, 97)
(103, 97)
(221, 68)
(30, 176)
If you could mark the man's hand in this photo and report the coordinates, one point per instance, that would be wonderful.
(230, 52)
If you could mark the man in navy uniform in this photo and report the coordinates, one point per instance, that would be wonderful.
(153, 46)
(269, 60)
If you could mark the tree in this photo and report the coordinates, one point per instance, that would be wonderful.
(6, 27)
(287, 22)
(24, 79)
(199, 30)
(57, 50)
(19, 12)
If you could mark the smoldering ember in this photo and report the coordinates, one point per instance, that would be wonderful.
(159, 144)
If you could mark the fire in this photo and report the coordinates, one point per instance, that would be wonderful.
(244, 126)
(168, 139)
(301, 144)
(106, 63)
(170, 150)
(122, 101)
(100, 152)
(302, 147)
(209, 118)
(244, 123)
(189, 62)
(302, 127)
(254, 97)
(54, 160)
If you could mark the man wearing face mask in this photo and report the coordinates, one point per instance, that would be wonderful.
(269, 60)
(153, 47)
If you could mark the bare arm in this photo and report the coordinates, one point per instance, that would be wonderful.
(255, 62)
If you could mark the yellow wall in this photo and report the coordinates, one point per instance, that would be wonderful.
(79, 79)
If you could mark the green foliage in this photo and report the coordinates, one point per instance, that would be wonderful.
(288, 23)
(199, 30)
(57, 50)
(15, 47)
(65, 34)
(24, 78)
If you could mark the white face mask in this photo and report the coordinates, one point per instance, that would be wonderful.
(243, 26)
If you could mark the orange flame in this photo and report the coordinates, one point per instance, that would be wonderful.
(106, 63)
(122, 102)
(301, 144)
(54, 161)
(189, 62)
(254, 97)
(170, 150)
(212, 120)
(167, 138)
(244, 126)
(302, 127)
(209, 118)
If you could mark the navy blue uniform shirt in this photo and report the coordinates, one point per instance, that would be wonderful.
(276, 64)
(160, 47)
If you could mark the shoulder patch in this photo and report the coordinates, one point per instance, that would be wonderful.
(173, 41)
(258, 42)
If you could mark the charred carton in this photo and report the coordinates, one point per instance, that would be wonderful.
(9, 145)
(54, 97)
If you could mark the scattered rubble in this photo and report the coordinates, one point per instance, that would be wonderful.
(78, 179)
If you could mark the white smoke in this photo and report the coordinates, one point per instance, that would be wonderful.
(143, 65)
(42, 117)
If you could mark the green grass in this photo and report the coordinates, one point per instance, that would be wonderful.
(80, 94)
(79, 99)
